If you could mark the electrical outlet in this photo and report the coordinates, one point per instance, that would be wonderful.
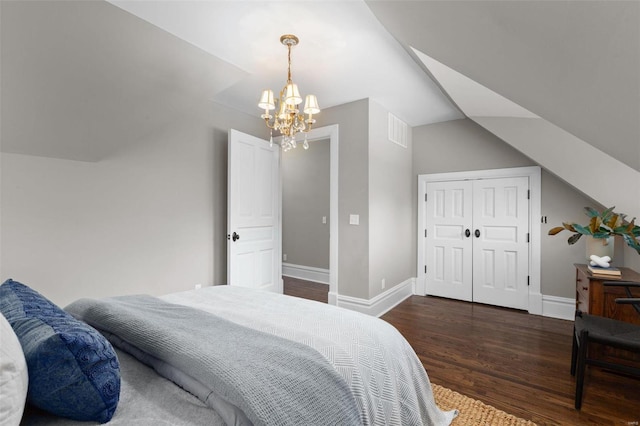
(384, 283)
(198, 286)
(324, 220)
(284, 257)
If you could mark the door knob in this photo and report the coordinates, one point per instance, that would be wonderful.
(234, 237)
(467, 233)
(477, 233)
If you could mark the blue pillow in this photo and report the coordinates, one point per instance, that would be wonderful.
(73, 369)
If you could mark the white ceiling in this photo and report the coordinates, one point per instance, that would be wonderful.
(82, 80)
(344, 54)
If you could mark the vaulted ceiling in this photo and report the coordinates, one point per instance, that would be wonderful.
(573, 63)
(121, 69)
(559, 81)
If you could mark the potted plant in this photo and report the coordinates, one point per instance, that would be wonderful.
(603, 225)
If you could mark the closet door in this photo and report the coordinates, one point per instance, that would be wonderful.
(448, 217)
(500, 242)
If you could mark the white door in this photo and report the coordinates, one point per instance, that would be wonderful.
(253, 209)
(501, 242)
(448, 251)
(476, 240)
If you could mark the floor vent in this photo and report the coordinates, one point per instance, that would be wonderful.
(397, 131)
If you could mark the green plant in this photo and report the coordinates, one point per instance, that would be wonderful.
(603, 225)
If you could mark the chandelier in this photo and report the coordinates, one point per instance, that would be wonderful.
(288, 120)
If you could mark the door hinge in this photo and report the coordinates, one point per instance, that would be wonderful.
(425, 197)
(425, 269)
(527, 279)
(425, 233)
(528, 194)
(527, 237)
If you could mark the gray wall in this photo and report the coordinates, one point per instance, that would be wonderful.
(353, 246)
(390, 206)
(562, 203)
(145, 212)
(462, 145)
(149, 219)
(305, 200)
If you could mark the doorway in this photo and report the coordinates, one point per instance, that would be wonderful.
(306, 214)
(272, 263)
(329, 134)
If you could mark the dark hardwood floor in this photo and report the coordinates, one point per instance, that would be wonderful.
(514, 361)
(306, 289)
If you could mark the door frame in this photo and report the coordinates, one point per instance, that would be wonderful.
(332, 133)
(534, 175)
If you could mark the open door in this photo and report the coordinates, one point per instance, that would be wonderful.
(253, 213)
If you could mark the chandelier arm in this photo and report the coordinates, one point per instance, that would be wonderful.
(269, 126)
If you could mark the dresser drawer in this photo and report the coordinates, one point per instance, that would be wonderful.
(582, 292)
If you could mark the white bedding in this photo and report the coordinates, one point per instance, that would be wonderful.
(384, 373)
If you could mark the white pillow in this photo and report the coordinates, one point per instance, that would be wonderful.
(14, 378)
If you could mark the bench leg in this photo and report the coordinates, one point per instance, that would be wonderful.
(581, 366)
(574, 353)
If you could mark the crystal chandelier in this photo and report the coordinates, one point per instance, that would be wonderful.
(288, 120)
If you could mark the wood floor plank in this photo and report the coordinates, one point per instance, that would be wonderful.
(517, 362)
(306, 289)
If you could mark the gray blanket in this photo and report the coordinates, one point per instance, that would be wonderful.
(273, 381)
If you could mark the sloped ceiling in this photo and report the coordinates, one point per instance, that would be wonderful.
(573, 63)
(82, 79)
(559, 81)
(344, 54)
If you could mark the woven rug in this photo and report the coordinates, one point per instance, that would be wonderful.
(472, 411)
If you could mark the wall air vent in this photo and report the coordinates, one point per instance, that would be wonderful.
(398, 131)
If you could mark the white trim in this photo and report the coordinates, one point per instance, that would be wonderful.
(558, 307)
(533, 173)
(380, 304)
(333, 298)
(331, 132)
(307, 273)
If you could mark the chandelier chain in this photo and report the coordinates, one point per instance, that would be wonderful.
(289, 61)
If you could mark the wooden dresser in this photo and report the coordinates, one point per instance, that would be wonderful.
(595, 299)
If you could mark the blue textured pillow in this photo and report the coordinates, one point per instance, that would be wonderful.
(73, 369)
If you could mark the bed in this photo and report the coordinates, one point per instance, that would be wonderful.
(231, 355)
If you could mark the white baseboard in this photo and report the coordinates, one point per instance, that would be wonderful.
(382, 303)
(539, 304)
(333, 298)
(536, 303)
(558, 307)
(307, 273)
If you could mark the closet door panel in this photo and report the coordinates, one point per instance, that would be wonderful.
(447, 246)
(500, 244)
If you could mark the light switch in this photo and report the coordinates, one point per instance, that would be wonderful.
(324, 220)
(354, 219)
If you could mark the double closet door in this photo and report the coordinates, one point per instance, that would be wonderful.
(477, 240)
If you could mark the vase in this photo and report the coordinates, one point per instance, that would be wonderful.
(600, 247)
